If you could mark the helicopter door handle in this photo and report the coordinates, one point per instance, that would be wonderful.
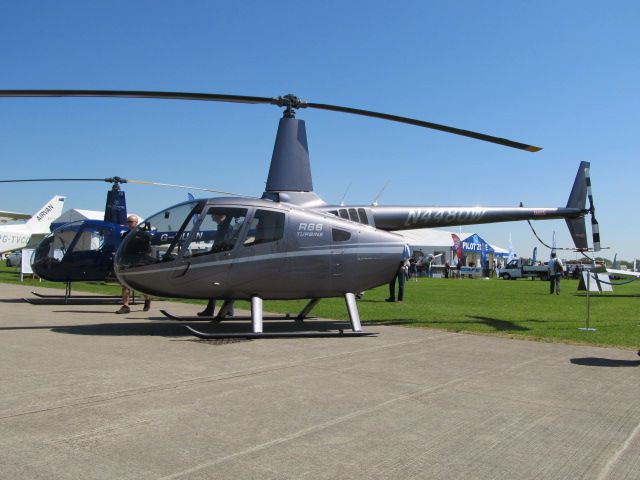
(181, 273)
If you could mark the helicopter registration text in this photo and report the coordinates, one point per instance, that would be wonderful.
(444, 216)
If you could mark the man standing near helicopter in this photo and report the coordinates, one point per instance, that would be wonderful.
(132, 222)
(400, 276)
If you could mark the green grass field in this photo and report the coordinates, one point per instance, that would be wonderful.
(517, 308)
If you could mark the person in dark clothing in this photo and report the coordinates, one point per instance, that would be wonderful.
(132, 222)
(555, 274)
(400, 276)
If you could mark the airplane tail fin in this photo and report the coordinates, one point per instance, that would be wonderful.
(578, 199)
(41, 220)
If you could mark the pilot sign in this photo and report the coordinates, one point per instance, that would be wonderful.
(310, 229)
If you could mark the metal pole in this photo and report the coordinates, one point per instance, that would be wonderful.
(588, 298)
(587, 328)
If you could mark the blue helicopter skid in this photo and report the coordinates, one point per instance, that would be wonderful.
(251, 335)
(74, 301)
(42, 295)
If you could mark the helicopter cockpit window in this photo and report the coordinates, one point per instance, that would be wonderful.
(266, 226)
(343, 213)
(218, 231)
(160, 238)
(55, 246)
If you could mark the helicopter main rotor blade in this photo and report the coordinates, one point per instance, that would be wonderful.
(289, 101)
(58, 180)
(211, 97)
(189, 187)
(434, 126)
(124, 180)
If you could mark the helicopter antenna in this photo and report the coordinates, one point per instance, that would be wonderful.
(375, 200)
(345, 194)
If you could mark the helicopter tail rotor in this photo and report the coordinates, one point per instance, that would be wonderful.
(595, 228)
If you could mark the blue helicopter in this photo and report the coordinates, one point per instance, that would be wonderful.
(84, 250)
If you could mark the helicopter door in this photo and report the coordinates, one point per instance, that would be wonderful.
(87, 256)
(209, 254)
(260, 259)
(340, 239)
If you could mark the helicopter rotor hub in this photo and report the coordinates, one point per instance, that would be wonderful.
(290, 102)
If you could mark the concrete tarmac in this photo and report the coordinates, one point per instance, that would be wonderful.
(87, 394)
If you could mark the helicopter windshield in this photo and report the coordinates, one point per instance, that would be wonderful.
(55, 246)
(159, 238)
(71, 238)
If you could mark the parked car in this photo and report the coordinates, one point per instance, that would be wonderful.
(14, 259)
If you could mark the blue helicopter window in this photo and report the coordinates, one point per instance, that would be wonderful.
(266, 226)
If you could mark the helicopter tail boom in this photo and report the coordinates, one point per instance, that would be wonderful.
(414, 217)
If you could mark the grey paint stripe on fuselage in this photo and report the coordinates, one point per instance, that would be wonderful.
(352, 250)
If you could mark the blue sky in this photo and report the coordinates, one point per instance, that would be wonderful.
(560, 75)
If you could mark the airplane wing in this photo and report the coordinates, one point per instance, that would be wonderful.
(10, 216)
(627, 273)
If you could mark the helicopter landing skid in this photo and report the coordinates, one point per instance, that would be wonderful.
(253, 335)
(42, 295)
(257, 323)
(196, 318)
(74, 301)
(226, 307)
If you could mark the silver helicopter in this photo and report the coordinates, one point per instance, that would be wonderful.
(290, 244)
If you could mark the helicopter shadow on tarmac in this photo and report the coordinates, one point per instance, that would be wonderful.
(159, 326)
(604, 362)
(496, 323)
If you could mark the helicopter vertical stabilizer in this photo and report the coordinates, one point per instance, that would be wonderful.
(577, 199)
